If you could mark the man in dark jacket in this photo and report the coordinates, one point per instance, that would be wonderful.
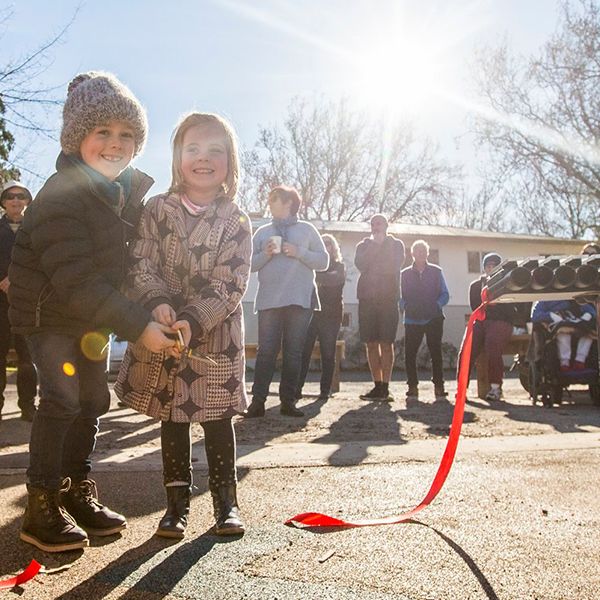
(14, 198)
(379, 259)
(424, 294)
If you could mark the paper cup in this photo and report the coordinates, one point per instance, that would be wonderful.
(276, 239)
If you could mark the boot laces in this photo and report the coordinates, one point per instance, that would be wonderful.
(88, 492)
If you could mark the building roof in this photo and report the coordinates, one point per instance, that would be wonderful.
(426, 231)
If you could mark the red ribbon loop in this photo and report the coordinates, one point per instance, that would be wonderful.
(314, 519)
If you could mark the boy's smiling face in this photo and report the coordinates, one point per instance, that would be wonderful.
(109, 148)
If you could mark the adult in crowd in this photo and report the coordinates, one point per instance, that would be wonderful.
(493, 334)
(286, 254)
(325, 323)
(424, 294)
(14, 199)
(379, 259)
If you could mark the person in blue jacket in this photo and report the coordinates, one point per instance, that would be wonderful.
(566, 318)
(424, 294)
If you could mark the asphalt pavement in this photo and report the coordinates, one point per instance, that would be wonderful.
(518, 517)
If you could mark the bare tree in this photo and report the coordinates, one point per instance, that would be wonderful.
(24, 104)
(347, 167)
(542, 124)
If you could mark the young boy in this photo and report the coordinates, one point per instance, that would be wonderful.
(68, 263)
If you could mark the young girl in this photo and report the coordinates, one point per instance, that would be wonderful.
(191, 267)
(65, 279)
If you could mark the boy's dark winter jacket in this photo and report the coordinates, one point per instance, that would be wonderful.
(70, 258)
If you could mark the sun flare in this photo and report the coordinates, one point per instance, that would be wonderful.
(396, 77)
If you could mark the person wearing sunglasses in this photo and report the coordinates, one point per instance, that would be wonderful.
(14, 199)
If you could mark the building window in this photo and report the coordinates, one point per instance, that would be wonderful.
(474, 259)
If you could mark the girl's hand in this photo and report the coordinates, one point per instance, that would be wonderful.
(289, 250)
(186, 330)
(4, 284)
(164, 314)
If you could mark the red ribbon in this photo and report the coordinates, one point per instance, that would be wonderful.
(30, 572)
(313, 519)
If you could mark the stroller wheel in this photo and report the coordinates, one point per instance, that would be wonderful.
(556, 395)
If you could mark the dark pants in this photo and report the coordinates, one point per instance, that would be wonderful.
(325, 326)
(493, 336)
(413, 336)
(219, 442)
(73, 395)
(284, 328)
(26, 375)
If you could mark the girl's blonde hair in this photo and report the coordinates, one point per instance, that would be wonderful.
(337, 253)
(194, 119)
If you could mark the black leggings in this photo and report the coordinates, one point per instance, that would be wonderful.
(219, 441)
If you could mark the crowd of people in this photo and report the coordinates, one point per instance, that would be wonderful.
(168, 275)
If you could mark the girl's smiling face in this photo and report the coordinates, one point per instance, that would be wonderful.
(204, 163)
(109, 148)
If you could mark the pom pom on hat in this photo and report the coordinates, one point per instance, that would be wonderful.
(95, 99)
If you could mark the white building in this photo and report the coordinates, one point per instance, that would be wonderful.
(457, 251)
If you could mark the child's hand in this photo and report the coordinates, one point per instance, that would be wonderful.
(186, 330)
(289, 250)
(4, 284)
(154, 338)
(164, 313)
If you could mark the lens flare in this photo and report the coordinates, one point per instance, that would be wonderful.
(69, 369)
(94, 345)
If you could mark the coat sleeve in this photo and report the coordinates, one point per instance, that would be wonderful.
(228, 279)
(66, 252)
(144, 282)
(444, 296)
(259, 257)
(364, 255)
(315, 255)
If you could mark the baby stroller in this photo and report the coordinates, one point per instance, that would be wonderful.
(540, 372)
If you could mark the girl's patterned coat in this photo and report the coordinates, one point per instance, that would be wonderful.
(203, 275)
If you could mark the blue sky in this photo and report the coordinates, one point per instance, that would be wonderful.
(248, 59)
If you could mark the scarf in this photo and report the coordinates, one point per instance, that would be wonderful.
(114, 192)
(282, 225)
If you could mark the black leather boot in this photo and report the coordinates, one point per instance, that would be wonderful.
(227, 512)
(81, 501)
(48, 526)
(174, 521)
(256, 409)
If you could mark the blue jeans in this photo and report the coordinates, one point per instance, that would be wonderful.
(325, 326)
(284, 328)
(73, 395)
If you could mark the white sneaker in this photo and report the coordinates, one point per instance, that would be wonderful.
(494, 395)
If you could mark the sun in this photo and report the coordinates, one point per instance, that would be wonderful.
(397, 76)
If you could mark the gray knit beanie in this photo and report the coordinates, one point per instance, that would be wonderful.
(94, 99)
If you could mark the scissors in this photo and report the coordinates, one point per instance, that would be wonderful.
(187, 352)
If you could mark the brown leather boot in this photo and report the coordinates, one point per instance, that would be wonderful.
(81, 501)
(48, 526)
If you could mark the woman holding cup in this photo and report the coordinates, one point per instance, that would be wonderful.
(286, 254)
